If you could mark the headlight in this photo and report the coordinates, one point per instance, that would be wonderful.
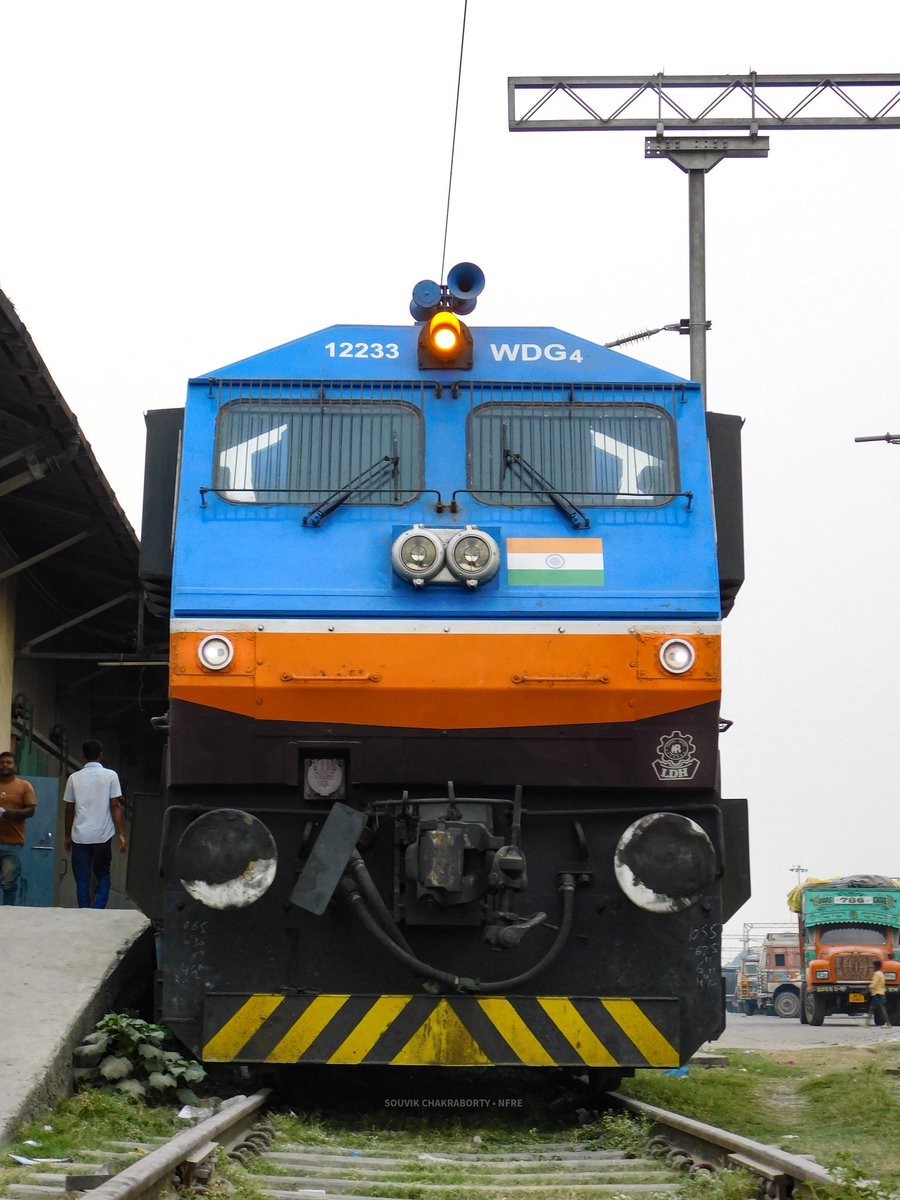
(473, 556)
(226, 859)
(676, 656)
(665, 862)
(417, 555)
(821, 974)
(892, 975)
(215, 652)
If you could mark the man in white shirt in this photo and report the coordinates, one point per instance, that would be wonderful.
(93, 817)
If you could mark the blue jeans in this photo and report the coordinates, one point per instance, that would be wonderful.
(10, 870)
(96, 857)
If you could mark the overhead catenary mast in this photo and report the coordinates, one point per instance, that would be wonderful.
(772, 102)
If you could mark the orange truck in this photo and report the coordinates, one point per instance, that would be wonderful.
(847, 926)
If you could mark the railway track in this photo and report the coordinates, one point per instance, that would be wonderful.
(286, 1171)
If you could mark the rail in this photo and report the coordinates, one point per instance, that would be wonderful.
(781, 1170)
(227, 1128)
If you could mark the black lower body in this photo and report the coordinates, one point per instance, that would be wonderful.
(476, 923)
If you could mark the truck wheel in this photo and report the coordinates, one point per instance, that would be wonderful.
(786, 1004)
(814, 1007)
(750, 1008)
(803, 1020)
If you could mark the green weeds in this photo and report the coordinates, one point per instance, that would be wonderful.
(127, 1054)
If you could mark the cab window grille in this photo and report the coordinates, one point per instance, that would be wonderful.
(290, 442)
(597, 446)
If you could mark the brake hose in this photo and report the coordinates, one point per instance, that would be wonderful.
(405, 956)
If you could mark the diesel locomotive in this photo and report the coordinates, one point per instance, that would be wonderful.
(442, 783)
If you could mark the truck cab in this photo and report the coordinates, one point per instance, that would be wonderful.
(840, 961)
(779, 976)
(848, 927)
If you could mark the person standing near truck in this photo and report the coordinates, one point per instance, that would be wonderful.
(878, 996)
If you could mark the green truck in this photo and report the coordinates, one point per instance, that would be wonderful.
(847, 927)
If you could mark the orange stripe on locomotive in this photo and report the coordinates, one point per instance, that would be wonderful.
(446, 680)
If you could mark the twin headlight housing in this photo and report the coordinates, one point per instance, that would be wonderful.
(468, 556)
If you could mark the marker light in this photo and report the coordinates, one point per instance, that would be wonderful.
(417, 555)
(677, 656)
(215, 652)
(473, 556)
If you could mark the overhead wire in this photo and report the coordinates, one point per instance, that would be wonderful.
(462, 42)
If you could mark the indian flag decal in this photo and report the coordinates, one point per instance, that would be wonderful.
(562, 562)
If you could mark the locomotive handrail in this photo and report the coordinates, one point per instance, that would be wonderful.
(367, 677)
(498, 491)
(440, 504)
(559, 678)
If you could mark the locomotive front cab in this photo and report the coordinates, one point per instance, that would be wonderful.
(444, 714)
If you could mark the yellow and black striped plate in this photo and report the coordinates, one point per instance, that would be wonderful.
(450, 1031)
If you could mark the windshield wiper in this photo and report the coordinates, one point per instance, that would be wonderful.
(364, 482)
(579, 519)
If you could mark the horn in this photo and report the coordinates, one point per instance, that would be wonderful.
(426, 296)
(418, 313)
(462, 308)
(465, 281)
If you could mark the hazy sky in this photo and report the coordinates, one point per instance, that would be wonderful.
(189, 183)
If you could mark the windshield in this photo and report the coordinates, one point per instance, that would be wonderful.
(852, 935)
(302, 452)
(596, 454)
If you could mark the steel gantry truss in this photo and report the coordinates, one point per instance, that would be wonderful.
(664, 102)
(717, 105)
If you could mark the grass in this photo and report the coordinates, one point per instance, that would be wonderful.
(836, 1103)
(89, 1120)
